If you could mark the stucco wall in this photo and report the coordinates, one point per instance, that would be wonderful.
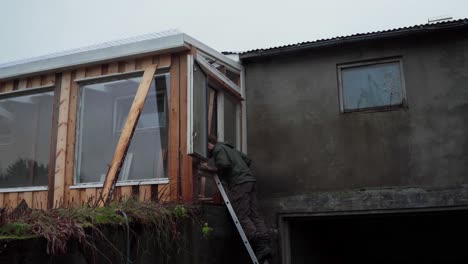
(301, 144)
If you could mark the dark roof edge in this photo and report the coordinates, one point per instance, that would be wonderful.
(425, 28)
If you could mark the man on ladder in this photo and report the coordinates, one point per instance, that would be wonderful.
(233, 168)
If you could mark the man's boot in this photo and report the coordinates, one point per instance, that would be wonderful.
(262, 249)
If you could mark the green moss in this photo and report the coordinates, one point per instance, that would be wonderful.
(16, 229)
(23, 237)
(62, 224)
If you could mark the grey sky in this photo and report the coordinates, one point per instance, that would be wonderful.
(37, 27)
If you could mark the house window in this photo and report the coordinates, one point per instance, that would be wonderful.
(25, 137)
(104, 108)
(377, 85)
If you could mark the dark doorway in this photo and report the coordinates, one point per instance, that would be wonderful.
(429, 237)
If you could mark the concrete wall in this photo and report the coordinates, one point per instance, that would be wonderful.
(304, 148)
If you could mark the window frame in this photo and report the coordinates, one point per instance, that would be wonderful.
(402, 105)
(78, 131)
(31, 91)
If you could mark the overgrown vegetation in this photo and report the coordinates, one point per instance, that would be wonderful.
(82, 224)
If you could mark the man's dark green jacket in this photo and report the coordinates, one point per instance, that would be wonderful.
(233, 165)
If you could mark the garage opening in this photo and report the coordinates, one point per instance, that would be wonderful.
(429, 237)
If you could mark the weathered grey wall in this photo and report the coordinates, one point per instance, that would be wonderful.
(301, 144)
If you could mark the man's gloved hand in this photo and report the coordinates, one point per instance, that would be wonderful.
(205, 166)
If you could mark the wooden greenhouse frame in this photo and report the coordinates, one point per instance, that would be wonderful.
(62, 73)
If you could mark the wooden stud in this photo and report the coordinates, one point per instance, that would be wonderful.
(62, 132)
(74, 198)
(34, 82)
(40, 200)
(174, 115)
(13, 200)
(125, 192)
(156, 59)
(210, 110)
(127, 134)
(48, 79)
(164, 61)
(28, 198)
(22, 84)
(117, 194)
(2, 200)
(20, 197)
(71, 140)
(163, 193)
(113, 68)
(83, 197)
(129, 65)
(144, 63)
(94, 71)
(145, 193)
(91, 195)
(8, 86)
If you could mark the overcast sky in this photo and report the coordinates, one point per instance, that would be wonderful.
(36, 27)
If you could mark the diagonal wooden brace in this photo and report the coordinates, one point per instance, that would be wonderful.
(126, 137)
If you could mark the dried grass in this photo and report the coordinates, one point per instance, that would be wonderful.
(61, 225)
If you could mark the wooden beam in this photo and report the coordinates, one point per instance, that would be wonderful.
(125, 192)
(164, 61)
(163, 193)
(210, 111)
(174, 136)
(8, 86)
(216, 75)
(71, 197)
(126, 135)
(145, 193)
(49, 203)
(35, 82)
(22, 84)
(62, 132)
(113, 68)
(48, 79)
(28, 198)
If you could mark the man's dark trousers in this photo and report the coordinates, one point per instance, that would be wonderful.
(244, 200)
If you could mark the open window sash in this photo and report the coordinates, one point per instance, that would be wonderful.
(197, 113)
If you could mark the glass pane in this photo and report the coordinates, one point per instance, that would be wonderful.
(103, 113)
(371, 86)
(230, 120)
(200, 124)
(25, 127)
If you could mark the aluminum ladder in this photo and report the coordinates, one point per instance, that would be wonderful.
(236, 221)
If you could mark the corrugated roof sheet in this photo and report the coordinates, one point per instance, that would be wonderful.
(354, 37)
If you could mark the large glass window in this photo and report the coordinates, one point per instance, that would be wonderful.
(371, 86)
(104, 108)
(25, 131)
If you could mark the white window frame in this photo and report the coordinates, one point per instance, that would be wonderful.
(103, 79)
(403, 104)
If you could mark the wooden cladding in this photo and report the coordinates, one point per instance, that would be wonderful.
(62, 174)
(181, 167)
(74, 197)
